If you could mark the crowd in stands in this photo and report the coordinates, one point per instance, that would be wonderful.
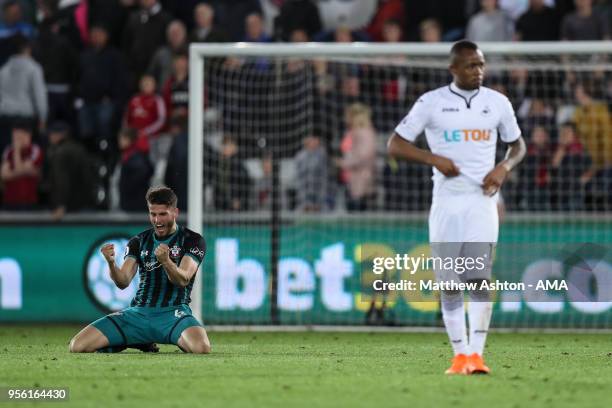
(94, 102)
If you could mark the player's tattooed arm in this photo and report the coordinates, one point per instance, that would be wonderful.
(181, 274)
(400, 148)
(121, 276)
(496, 177)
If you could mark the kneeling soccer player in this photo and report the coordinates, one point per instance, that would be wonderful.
(167, 258)
(462, 122)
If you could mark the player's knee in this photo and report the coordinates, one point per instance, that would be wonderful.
(76, 346)
(479, 294)
(201, 348)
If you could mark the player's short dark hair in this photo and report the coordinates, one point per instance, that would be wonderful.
(460, 46)
(161, 195)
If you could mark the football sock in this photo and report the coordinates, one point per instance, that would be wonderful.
(453, 314)
(479, 316)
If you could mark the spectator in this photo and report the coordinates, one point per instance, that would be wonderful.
(452, 16)
(312, 175)
(231, 182)
(60, 64)
(388, 10)
(112, 14)
(430, 31)
(584, 25)
(102, 85)
(205, 29)
(254, 28)
(538, 23)
(144, 33)
(358, 162)
(570, 166)
(161, 65)
(406, 186)
(135, 172)
(592, 120)
(176, 89)
(490, 24)
(176, 167)
(232, 15)
(392, 31)
(297, 14)
(71, 178)
(535, 171)
(21, 170)
(146, 112)
(22, 91)
(12, 21)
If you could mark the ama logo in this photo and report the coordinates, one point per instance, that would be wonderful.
(467, 135)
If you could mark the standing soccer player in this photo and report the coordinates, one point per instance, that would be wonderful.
(462, 122)
(167, 258)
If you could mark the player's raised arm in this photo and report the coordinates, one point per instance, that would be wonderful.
(121, 276)
(400, 148)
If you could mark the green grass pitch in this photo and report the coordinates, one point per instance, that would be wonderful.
(313, 369)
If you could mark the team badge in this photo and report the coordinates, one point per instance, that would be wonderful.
(486, 111)
(175, 251)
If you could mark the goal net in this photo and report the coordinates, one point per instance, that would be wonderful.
(299, 197)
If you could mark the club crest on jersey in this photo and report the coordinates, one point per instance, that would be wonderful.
(175, 251)
(486, 111)
(144, 253)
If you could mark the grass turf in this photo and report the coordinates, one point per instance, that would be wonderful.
(314, 369)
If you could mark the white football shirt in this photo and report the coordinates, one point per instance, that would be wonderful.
(461, 126)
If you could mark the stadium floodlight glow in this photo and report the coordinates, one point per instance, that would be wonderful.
(199, 53)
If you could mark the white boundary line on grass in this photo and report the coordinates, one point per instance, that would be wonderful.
(387, 329)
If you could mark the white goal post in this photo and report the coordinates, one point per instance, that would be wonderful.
(199, 53)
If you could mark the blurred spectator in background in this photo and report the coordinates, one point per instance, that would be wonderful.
(358, 162)
(430, 31)
(23, 95)
(21, 170)
(146, 112)
(584, 25)
(451, 15)
(535, 171)
(570, 165)
(205, 29)
(490, 24)
(231, 15)
(144, 33)
(11, 25)
(592, 120)
(70, 172)
(182, 9)
(112, 14)
(60, 63)
(135, 171)
(101, 90)
(388, 10)
(405, 185)
(312, 175)
(297, 14)
(392, 31)
(254, 29)
(175, 90)
(163, 60)
(231, 181)
(538, 23)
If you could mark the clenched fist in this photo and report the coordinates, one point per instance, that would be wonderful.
(162, 253)
(108, 251)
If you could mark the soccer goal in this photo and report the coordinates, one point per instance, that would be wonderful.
(290, 182)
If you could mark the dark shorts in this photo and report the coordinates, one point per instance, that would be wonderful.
(136, 325)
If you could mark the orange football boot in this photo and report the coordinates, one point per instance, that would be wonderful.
(459, 365)
(475, 365)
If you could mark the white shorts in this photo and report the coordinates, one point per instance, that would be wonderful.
(469, 217)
